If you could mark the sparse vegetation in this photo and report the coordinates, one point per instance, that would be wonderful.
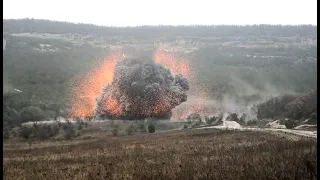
(130, 129)
(246, 63)
(233, 117)
(6, 134)
(290, 124)
(293, 107)
(210, 120)
(239, 59)
(69, 130)
(142, 126)
(233, 155)
(252, 122)
(115, 129)
(151, 128)
(81, 124)
(26, 132)
(44, 132)
(194, 119)
(185, 126)
(31, 113)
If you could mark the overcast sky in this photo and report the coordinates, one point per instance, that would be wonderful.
(164, 12)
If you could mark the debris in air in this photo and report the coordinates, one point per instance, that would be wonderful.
(140, 89)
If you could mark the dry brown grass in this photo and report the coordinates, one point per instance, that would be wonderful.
(197, 154)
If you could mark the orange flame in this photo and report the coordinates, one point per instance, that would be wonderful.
(180, 65)
(84, 94)
(161, 106)
(177, 65)
(111, 105)
(83, 97)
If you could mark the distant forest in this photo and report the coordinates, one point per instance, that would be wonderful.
(56, 27)
(247, 68)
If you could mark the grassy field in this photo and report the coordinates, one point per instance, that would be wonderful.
(189, 154)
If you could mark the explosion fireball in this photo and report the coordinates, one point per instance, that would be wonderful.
(84, 95)
(141, 88)
(180, 65)
(169, 60)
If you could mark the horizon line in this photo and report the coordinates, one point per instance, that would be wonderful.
(176, 25)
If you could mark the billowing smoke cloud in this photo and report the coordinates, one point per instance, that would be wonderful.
(141, 89)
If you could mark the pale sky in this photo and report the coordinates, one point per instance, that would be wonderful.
(165, 12)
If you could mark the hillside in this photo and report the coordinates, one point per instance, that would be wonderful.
(43, 58)
(56, 27)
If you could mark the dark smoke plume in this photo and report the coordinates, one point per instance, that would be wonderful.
(141, 89)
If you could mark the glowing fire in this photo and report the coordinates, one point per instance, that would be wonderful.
(177, 65)
(161, 106)
(112, 106)
(84, 94)
(180, 65)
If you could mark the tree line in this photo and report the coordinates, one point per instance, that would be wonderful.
(57, 27)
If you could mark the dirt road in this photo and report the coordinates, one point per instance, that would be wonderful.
(312, 134)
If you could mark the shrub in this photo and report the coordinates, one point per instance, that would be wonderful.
(51, 130)
(26, 132)
(55, 130)
(189, 121)
(130, 130)
(115, 130)
(78, 120)
(59, 124)
(31, 113)
(194, 117)
(10, 117)
(210, 120)
(80, 127)
(142, 127)
(233, 117)
(185, 126)
(44, 132)
(313, 116)
(80, 124)
(151, 128)
(86, 124)
(252, 122)
(290, 124)
(29, 142)
(6, 134)
(220, 117)
(89, 118)
(49, 114)
(196, 124)
(69, 131)
(242, 119)
(112, 124)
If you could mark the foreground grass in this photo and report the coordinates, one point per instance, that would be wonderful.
(211, 154)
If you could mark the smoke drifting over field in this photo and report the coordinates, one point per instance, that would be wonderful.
(140, 89)
(123, 87)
